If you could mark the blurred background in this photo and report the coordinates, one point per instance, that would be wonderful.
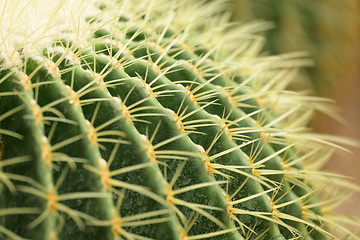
(329, 30)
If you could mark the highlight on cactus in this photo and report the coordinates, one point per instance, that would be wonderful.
(159, 120)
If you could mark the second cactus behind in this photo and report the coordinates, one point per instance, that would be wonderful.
(327, 30)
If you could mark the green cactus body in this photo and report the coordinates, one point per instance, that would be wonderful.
(126, 124)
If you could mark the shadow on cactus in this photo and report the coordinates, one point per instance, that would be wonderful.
(153, 120)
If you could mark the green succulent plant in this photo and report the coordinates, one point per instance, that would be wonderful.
(155, 120)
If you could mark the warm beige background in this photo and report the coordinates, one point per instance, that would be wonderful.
(347, 95)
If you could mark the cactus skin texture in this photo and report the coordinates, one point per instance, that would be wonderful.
(119, 121)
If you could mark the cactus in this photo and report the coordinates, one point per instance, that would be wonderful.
(328, 30)
(154, 120)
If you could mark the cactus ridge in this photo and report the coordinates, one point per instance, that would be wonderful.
(145, 125)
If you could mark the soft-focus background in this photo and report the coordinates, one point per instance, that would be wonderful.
(347, 96)
(330, 31)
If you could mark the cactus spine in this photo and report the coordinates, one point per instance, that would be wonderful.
(121, 120)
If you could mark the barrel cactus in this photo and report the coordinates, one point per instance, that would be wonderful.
(155, 120)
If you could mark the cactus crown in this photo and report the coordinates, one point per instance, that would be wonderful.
(155, 120)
